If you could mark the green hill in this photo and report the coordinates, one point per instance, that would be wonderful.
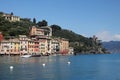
(15, 28)
(80, 43)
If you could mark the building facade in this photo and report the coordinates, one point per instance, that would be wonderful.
(64, 46)
(39, 42)
(23, 44)
(11, 17)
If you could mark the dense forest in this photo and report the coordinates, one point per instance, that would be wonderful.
(80, 43)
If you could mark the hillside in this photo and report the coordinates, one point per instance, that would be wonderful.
(15, 28)
(80, 43)
(112, 46)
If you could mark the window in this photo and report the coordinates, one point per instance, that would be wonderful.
(42, 44)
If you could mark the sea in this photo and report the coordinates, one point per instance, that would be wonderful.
(68, 67)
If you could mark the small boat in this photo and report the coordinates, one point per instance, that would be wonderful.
(26, 56)
(36, 55)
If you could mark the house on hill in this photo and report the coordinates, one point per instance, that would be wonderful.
(11, 17)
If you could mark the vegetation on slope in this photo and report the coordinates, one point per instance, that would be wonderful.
(79, 42)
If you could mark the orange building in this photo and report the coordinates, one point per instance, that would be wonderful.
(64, 46)
(36, 31)
(30, 46)
(36, 47)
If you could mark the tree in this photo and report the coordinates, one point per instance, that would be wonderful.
(42, 23)
(12, 13)
(1, 13)
(34, 20)
(55, 27)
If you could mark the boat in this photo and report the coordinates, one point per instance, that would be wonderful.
(36, 55)
(26, 56)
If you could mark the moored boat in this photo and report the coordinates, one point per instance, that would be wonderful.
(36, 55)
(26, 56)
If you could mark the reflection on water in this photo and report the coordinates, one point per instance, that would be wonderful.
(82, 67)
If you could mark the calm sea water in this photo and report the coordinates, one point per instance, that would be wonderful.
(82, 67)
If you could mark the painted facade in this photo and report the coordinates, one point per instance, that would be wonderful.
(38, 43)
(5, 47)
(23, 44)
(64, 46)
(14, 46)
(55, 45)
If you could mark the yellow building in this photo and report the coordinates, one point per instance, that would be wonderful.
(45, 46)
(14, 46)
(30, 46)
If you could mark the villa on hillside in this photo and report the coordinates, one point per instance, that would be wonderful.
(10, 17)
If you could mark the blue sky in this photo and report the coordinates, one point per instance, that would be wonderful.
(85, 17)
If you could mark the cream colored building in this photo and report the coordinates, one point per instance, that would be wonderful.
(5, 47)
(23, 44)
(55, 45)
(60, 45)
(11, 17)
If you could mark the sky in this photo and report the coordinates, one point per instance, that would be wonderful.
(84, 17)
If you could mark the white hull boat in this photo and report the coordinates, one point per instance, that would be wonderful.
(26, 56)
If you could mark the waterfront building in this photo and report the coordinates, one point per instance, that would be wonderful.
(60, 45)
(5, 47)
(30, 46)
(14, 46)
(36, 47)
(55, 45)
(64, 46)
(23, 44)
(43, 35)
(39, 42)
(43, 46)
(71, 50)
